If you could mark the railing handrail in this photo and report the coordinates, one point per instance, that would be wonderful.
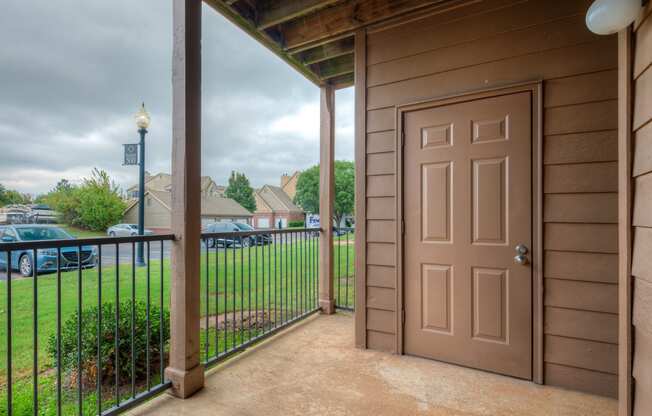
(258, 232)
(94, 241)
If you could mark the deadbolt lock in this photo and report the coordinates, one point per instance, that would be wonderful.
(521, 249)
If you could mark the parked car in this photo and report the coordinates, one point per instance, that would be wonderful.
(338, 232)
(46, 259)
(230, 227)
(125, 230)
(258, 239)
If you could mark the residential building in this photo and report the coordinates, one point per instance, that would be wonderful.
(274, 208)
(158, 208)
(162, 182)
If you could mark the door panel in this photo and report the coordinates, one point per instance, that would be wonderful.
(437, 184)
(467, 204)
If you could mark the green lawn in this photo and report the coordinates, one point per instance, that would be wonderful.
(80, 233)
(244, 269)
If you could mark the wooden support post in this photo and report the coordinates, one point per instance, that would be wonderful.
(185, 370)
(360, 188)
(327, 192)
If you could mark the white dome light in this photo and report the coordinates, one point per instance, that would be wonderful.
(610, 16)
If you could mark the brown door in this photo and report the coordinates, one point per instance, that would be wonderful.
(467, 205)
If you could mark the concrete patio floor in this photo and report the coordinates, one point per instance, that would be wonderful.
(314, 369)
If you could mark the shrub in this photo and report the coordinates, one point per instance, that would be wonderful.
(100, 204)
(107, 343)
(94, 205)
(296, 224)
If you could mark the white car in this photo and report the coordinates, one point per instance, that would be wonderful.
(126, 230)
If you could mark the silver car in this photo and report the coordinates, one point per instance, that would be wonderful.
(125, 230)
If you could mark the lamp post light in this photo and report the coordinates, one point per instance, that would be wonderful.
(142, 122)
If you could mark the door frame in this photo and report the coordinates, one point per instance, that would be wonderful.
(535, 88)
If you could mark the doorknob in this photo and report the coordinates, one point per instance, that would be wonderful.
(521, 251)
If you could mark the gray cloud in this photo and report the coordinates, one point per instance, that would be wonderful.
(73, 73)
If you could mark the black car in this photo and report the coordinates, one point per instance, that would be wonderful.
(230, 227)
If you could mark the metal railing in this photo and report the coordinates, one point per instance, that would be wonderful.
(85, 327)
(86, 331)
(344, 268)
(254, 284)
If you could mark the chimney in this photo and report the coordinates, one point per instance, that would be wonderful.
(285, 178)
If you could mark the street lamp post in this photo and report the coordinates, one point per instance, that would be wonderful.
(142, 121)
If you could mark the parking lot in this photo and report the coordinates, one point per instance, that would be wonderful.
(123, 254)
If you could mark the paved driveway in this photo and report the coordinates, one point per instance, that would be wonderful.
(123, 254)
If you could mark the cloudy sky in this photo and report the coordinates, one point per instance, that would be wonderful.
(73, 73)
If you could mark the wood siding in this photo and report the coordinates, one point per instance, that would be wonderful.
(490, 44)
(642, 217)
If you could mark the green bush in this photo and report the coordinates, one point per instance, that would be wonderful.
(107, 343)
(296, 224)
(94, 205)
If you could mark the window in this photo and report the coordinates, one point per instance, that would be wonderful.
(42, 233)
(242, 227)
(8, 232)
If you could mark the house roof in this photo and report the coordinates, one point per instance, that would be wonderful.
(211, 205)
(163, 182)
(316, 36)
(277, 200)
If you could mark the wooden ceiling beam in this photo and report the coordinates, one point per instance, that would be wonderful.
(274, 12)
(344, 18)
(327, 51)
(342, 81)
(262, 37)
(332, 68)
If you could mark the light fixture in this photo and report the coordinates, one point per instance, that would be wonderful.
(606, 17)
(142, 118)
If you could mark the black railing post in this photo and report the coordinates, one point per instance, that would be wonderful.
(9, 338)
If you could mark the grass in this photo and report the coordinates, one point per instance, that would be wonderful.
(241, 285)
(81, 233)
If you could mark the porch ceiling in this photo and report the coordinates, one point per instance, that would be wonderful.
(313, 369)
(316, 36)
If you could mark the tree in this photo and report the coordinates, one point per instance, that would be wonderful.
(308, 194)
(240, 191)
(100, 204)
(63, 200)
(10, 196)
(95, 204)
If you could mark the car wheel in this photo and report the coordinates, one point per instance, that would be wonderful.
(246, 242)
(25, 265)
(112, 234)
(210, 242)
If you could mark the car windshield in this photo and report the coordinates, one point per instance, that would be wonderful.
(244, 227)
(42, 233)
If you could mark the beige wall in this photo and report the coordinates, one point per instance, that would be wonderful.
(494, 43)
(642, 221)
(156, 215)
